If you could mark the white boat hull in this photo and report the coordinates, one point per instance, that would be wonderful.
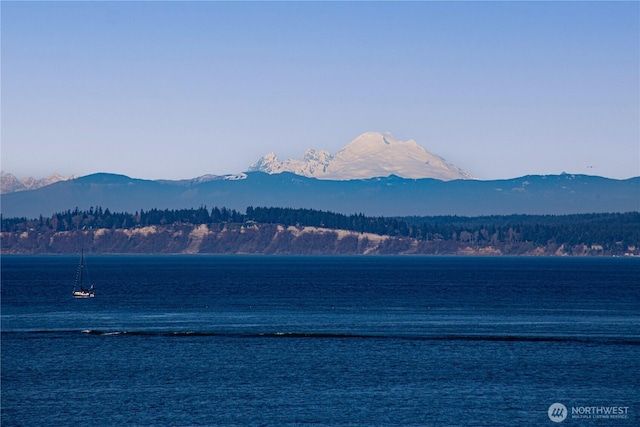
(80, 294)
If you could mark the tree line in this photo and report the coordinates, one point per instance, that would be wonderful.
(606, 229)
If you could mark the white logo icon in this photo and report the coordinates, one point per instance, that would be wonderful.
(557, 412)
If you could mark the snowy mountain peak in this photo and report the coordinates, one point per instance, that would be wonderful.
(268, 163)
(374, 140)
(376, 144)
(372, 154)
(11, 184)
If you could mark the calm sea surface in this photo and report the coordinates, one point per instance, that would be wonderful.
(357, 341)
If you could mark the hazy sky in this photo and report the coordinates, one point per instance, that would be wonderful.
(177, 90)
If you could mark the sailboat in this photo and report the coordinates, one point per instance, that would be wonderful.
(79, 290)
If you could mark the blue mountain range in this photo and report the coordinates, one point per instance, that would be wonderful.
(389, 196)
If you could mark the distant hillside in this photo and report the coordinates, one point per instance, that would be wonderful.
(391, 196)
(304, 231)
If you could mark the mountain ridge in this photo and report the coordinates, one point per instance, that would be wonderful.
(370, 155)
(388, 196)
(11, 184)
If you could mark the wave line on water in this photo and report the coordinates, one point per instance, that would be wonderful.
(615, 340)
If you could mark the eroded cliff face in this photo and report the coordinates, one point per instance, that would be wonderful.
(264, 239)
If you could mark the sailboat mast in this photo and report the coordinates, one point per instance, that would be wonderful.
(82, 293)
(81, 268)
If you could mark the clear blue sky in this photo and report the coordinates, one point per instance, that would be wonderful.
(177, 90)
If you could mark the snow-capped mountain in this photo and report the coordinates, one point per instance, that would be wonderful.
(372, 154)
(205, 178)
(11, 184)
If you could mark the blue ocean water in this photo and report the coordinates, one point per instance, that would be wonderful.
(357, 341)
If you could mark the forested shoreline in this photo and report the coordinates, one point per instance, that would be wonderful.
(580, 234)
